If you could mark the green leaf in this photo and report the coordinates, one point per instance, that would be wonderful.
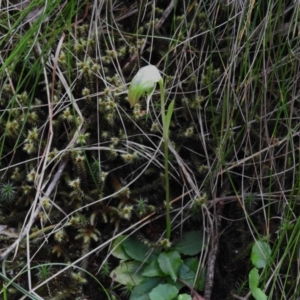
(164, 292)
(143, 289)
(253, 279)
(188, 272)
(256, 292)
(169, 114)
(170, 262)
(118, 248)
(137, 250)
(153, 270)
(128, 273)
(184, 297)
(191, 243)
(261, 254)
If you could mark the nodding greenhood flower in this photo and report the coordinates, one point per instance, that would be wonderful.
(144, 82)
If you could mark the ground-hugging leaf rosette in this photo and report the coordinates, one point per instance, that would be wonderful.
(147, 272)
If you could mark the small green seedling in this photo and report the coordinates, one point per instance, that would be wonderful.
(144, 82)
(260, 255)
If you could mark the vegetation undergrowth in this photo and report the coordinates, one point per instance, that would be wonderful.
(83, 175)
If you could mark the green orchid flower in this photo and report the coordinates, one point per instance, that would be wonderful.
(144, 82)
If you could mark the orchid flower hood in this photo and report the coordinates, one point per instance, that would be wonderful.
(143, 82)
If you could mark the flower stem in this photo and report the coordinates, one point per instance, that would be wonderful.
(166, 158)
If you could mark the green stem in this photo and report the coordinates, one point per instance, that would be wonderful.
(166, 152)
(4, 292)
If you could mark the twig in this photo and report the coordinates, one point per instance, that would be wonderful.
(211, 268)
(213, 253)
(165, 15)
